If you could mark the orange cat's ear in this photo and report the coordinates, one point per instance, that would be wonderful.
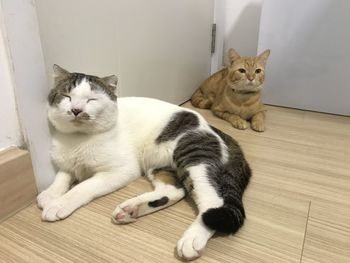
(264, 56)
(233, 55)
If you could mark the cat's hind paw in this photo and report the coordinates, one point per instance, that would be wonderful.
(191, 245)
(124, 215)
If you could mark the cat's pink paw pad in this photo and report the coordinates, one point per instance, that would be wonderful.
(124, 215)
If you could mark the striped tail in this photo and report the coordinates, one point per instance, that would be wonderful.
(231, 183)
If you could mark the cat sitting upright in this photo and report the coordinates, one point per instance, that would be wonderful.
(234, 93)
(104, 143)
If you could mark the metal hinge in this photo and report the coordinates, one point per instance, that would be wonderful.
(213, 38)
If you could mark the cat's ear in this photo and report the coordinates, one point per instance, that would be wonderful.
(233, 55)
(111, 81)
(59, 72)
(264, 56)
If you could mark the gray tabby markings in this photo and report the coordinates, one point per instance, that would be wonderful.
(197, 147)
(180, 123)
(65, 83)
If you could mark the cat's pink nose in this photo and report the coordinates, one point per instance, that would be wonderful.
(76, 111)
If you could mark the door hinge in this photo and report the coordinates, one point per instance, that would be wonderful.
(213, 38)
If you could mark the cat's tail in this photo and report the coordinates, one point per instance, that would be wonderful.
(199, 100)
(226, 219)
(231, 184)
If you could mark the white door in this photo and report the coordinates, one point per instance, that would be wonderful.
(310, 57)
(158, 48)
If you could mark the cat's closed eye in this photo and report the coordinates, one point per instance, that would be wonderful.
(257, 71)
(70, 99)
(241, 70)
(91, 100)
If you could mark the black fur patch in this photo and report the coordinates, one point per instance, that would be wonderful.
(160, 202)
(224, 219)
(180, 123)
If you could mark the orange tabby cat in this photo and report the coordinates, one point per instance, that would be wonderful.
(234, 93)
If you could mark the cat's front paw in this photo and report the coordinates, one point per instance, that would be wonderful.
(44, 198)
(57, 209)
(124, 214)
(258, 125)
(240, 124)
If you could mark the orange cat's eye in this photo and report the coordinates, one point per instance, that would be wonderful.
(242, 70)
(257, 71)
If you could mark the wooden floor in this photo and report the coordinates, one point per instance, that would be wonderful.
(297, 204)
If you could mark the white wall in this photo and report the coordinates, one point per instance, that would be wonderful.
(237, 27)
(310, 56)
(31, 87)
(157, 48)
(10, 134)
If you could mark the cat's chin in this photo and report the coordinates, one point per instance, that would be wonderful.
(248, 88)
(78, 126)
(77, 122)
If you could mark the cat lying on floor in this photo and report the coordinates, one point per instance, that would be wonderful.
(233, 93)
(104, 143)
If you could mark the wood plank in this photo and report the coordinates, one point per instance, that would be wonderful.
(328, 233)
(17, 183)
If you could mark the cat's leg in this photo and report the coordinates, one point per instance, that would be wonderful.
(167, 192)
(60, 186)
(98, 185)
(235, 120)
(258, 121)
(195, 238)
(199, 100)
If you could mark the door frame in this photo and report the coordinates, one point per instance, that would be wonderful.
(219, 20)
(27, 71)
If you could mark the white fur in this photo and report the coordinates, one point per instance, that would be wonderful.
(206, 196)
(194, 239)
(101, 109)
(197, 235)
(112, 148)
(138, 206)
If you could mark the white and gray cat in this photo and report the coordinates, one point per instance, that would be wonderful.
(104, 143)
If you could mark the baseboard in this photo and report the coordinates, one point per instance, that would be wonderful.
(17, 182)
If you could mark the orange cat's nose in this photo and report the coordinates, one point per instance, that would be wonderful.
(251, 78)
